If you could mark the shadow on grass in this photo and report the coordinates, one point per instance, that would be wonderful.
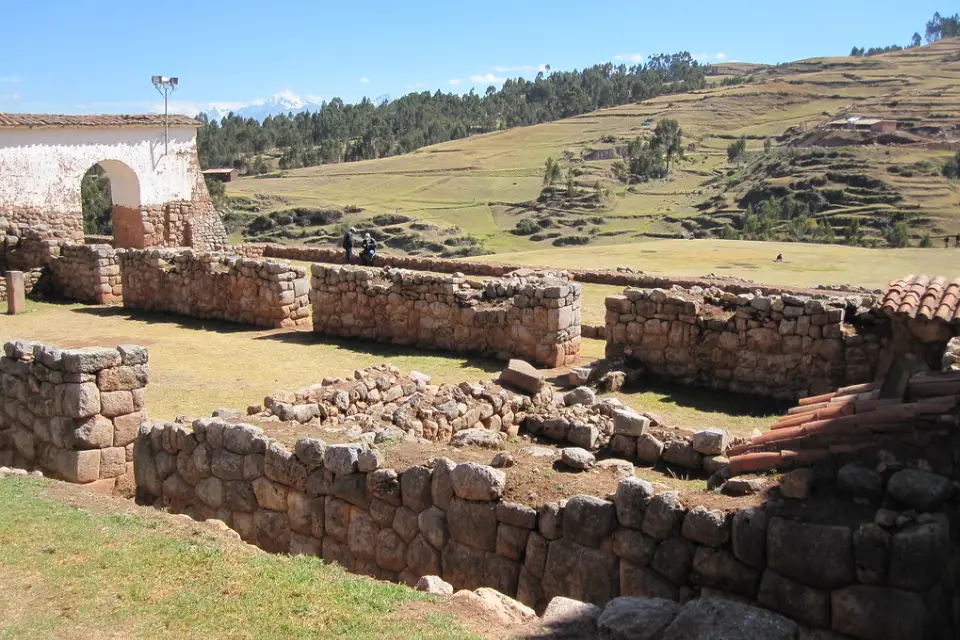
(157, 317)
(382, 350)
(710, 400)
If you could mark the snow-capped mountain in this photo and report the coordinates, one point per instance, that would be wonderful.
(283, 102)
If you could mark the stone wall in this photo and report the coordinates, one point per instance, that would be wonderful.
(30, 280)
(88, 273)
(624, 277)
(214, 285)
(783, 346)
(74, 413)
(865, 579)
(531, 315)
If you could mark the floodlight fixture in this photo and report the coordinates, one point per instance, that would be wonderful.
(165, 86)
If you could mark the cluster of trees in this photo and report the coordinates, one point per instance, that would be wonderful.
(340, 132)
(952, 168)
(938, 28)
(97, 202)
(650, 158)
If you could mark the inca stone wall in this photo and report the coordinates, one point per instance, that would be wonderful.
(74, 413)
(215, 285)
(782, 346)
(530, 315)
(865, 579)
(88, 273)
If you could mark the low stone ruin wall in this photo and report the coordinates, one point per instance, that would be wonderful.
(530, 315)
(784, 346)
(74, 413)
(867, 580)
(30, 280)
(214, 285)
(623, 277)
(87, 273)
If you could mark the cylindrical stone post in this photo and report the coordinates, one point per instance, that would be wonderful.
(16, 293)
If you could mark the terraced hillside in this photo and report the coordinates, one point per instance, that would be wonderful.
(468, 196)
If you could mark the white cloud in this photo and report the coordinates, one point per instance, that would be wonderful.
(364, 80)
(630, 57)
(710, 57)
(454, 81)
(314, 99)
(487, 78)
(10, 79)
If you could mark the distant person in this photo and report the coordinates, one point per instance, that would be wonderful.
(779, 257)
(957, 245)
(368, 250)
(348, 243)
(946, 242)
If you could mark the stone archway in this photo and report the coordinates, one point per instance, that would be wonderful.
(127, 217)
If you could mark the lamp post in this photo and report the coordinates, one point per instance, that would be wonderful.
(165, 86)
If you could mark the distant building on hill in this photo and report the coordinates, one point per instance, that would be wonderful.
(857, 123)
(226, 174)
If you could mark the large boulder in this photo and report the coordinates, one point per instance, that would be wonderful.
(580, 395)
(628, 618)
(478, 437)
(577, 458)
(473, 481)
(566, 618)
(523, 376)
(718, 619)
(710, 442)
(918, 489)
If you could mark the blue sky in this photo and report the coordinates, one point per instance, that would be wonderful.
(90, 57)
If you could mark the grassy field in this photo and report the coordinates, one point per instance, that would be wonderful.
(97, 573)
(485, 184)
(196, 366)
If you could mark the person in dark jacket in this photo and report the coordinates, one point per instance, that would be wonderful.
(348, 243)
(368, 250)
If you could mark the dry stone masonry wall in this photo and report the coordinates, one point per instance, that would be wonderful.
(215, 285)
(74, 413)
(531, 315)
(783, 346)
(88, 273)
(861, 579)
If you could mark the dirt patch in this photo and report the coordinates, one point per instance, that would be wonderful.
(537, 476)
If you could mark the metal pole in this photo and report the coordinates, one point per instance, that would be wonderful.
(166, 134)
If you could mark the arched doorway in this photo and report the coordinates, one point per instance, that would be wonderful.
(110, 185)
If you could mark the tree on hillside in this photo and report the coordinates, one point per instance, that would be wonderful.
(571, 185)
(552, 172)
(916, 41)
(899, 235)
(97, 202)
(736, 150)
(939, 27)
(668, 137)
(952, 168)
(854, 234)
(767, 145)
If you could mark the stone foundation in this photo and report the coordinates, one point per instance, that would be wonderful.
(215, 285)
(74, 413)
(784, 346)
(531, 315)
(88, 273)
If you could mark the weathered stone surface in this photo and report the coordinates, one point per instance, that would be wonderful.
(517, 515)
(463, 565)
(748, 534)
(798, 601)
(391, 551)
(523, 376)
(95, 432)
(89, 359)
(588, 520)
(918, 489)
(798, 484)
(502, 574)
(337, 515)
(478, 437)
(628, 618)
(342, 459)
(305, 514)
(918, 555)
(511, 541)
(441, 486)
(580, 395)
(80, 400)
(369, 460)
(382, 513)
(673, 559)
(632, 545)
(238, 496)
(226, 465)
(627, 422)
(434, 585)
(406, 524)
(272, 530)
(582, 435)
(305, 545)
(422, 558)
(550, 520)
(877, 613)
(566, 618)
(415, 487)
(473, 523)
(643, 582)
(663, 515)
(706, 527)
(649, 449)
(362, 535)
(310, 451)
(582, 573)
(383, 484)
(478, 482)
(710, 442)
(871, 545)
(270, 495)
(860, 482)
(283, 466)
(816, 555)
(210, 492)
(503, 609)
(682, 454)
(244, 439)
(433, 526)
(719, 569)
(742, 486)
(577, 458)
(535, 555)
(714, 619)
(633, 496)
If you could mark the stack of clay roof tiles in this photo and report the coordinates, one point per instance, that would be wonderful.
(918, 296)
(848, 419)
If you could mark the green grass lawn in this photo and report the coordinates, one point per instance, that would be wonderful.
(68, 573)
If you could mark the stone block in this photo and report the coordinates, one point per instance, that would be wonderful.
(920, 490)
(123, 378)
(270, 495)
(643, 582)
(405, 523)
(649, 449)
(878, 613)
(89, 359)
(422, 558)
(95, 432)
(710, 441)
(871, 545)
(715, 619)
(682, 454)
(590, 575)
(517, 515)
(817, 555)
(337, 515)
(628, 422)
(567, 618)
(79, 466)
(362, 535)
(918, 555)
(476, 482)
(705, 526)
(588, 520)
(383, 484)
(523, 376)
(719, 569)
(238, 495)
(80, 400)
(441, 487)
(673, 559)
(113, 462)
(116, 403)
(126, 428)
(631, 500)
(798, 601)
(473, 523)
(630, 618)
(433, 526)
(748, 533)
(463, 566)
(663, 516)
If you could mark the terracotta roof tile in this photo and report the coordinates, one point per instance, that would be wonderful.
(919, 296)
(47, 120)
